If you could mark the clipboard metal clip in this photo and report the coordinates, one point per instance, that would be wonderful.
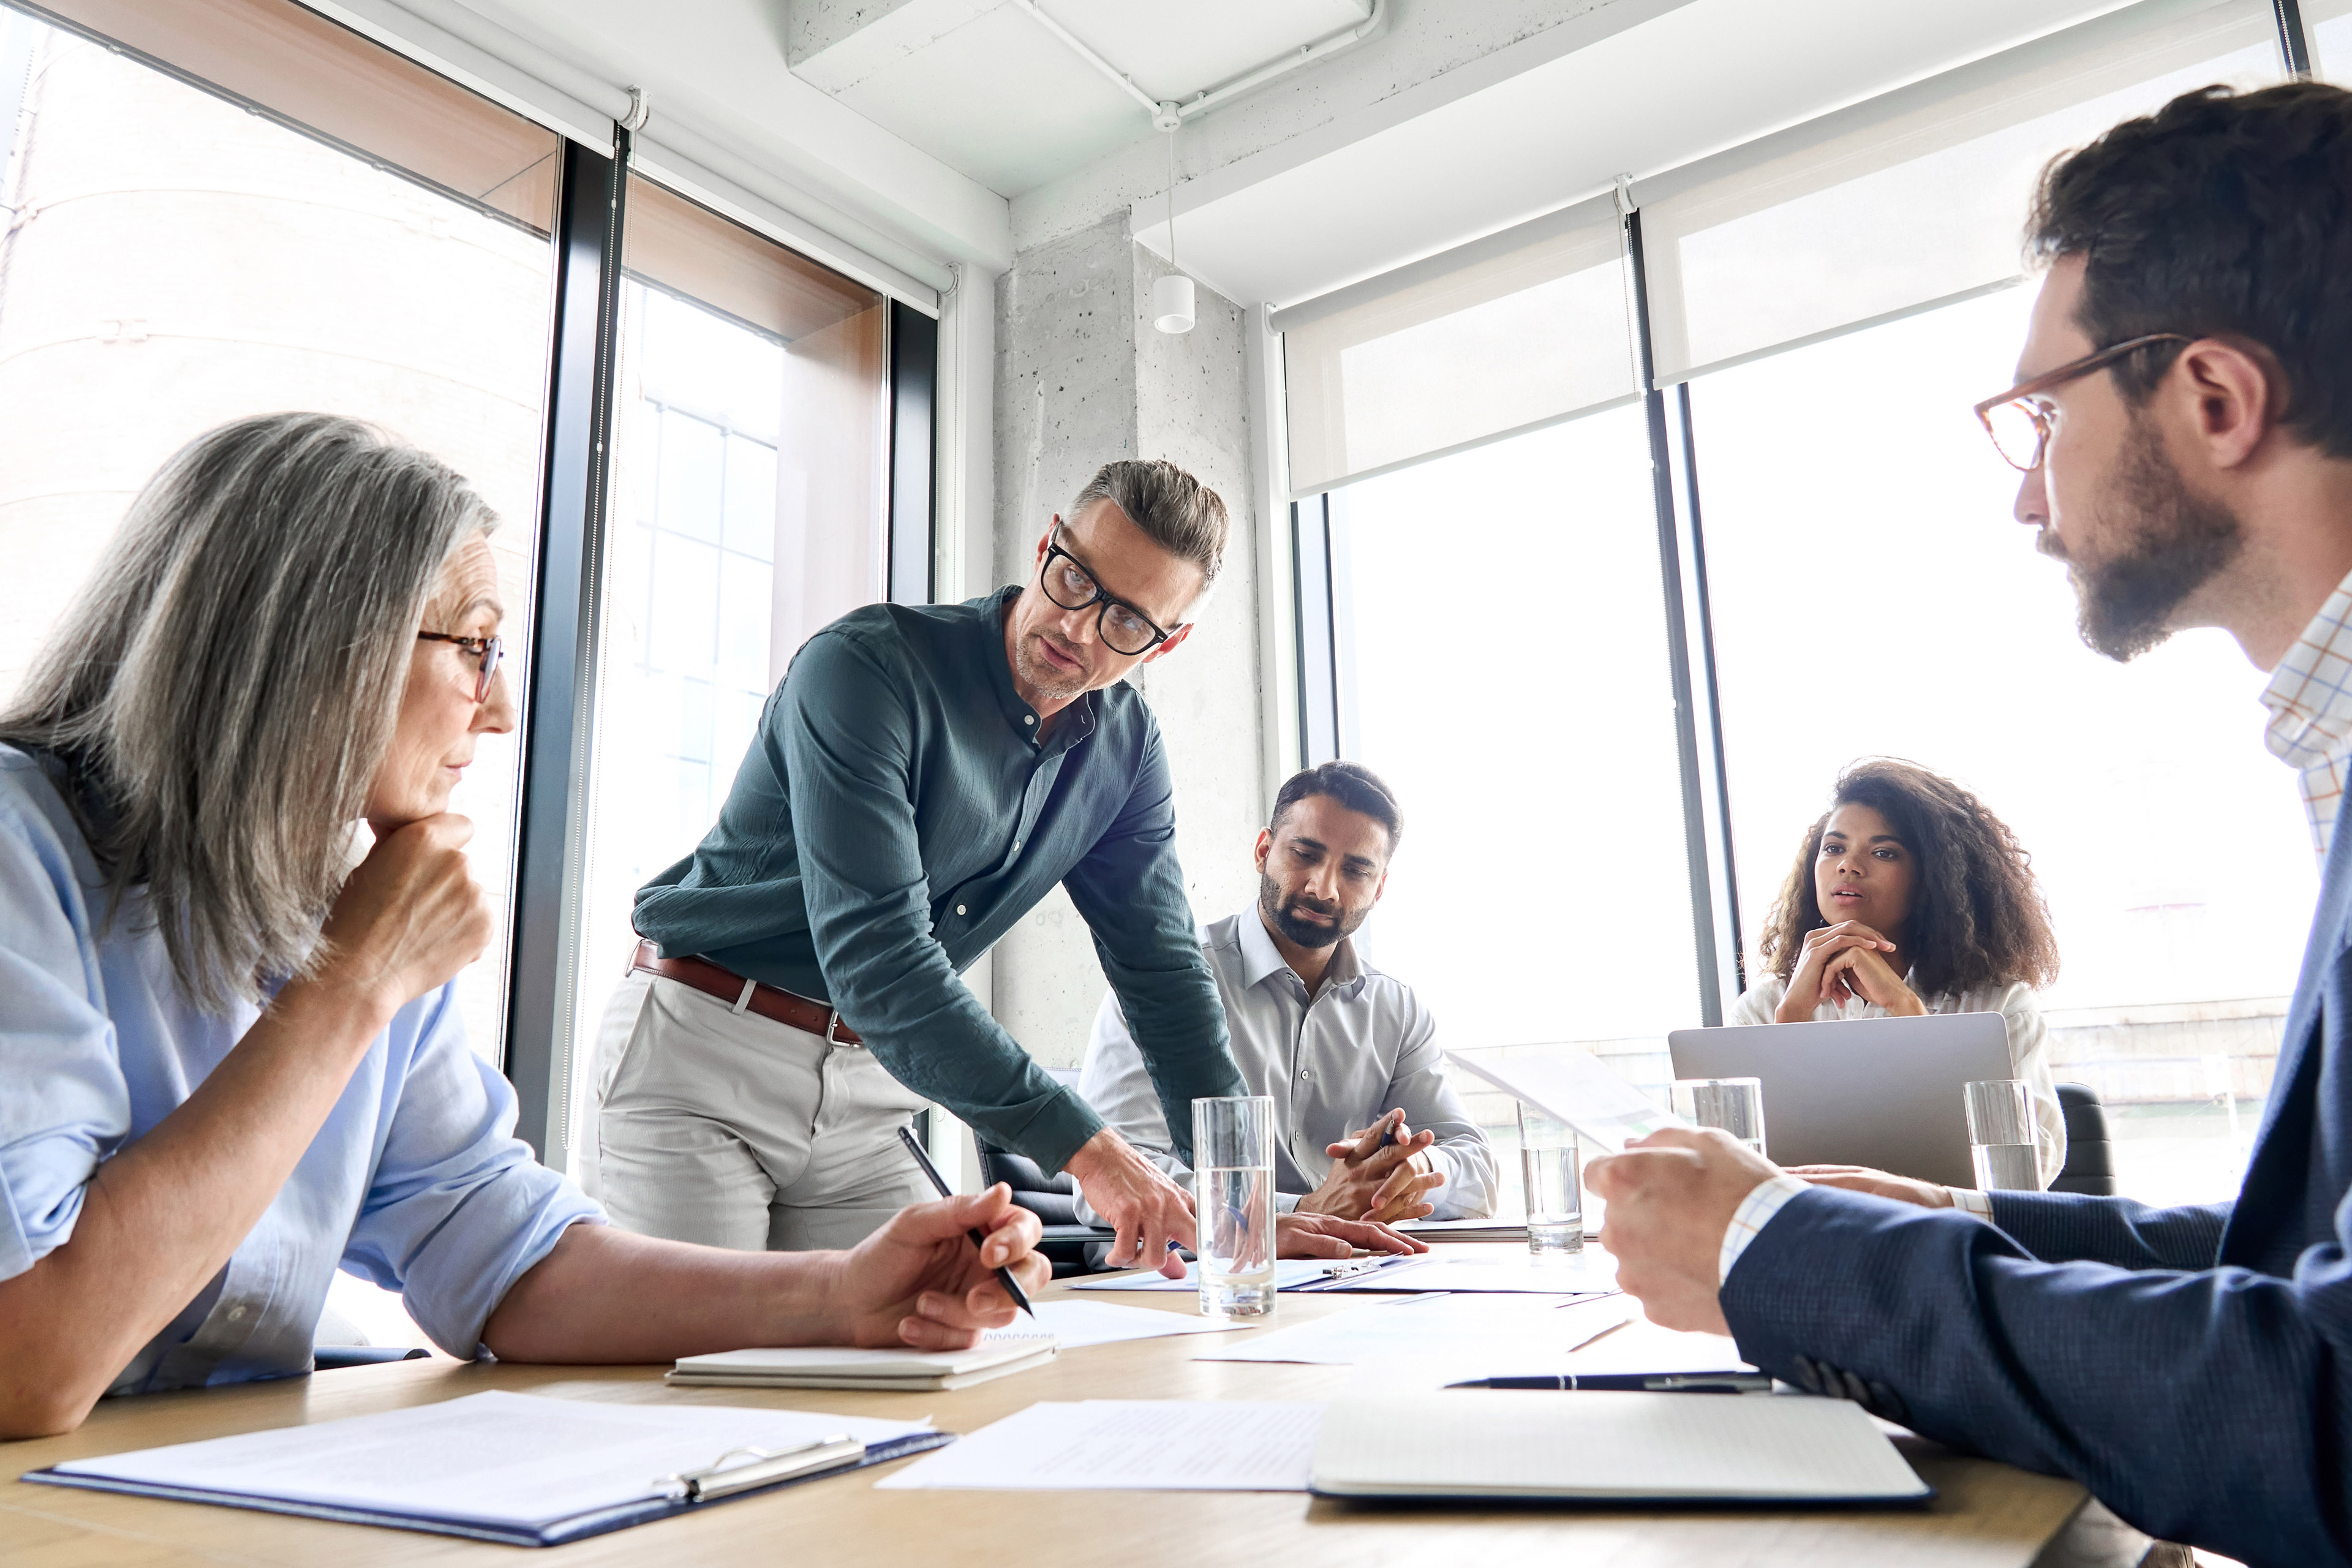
(740, 1469)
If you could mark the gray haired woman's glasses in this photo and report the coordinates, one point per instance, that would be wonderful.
(489, 650)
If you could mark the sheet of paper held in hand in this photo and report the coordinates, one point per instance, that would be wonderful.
(1574, 1087)
(1488, 1336)
(1130, 1444)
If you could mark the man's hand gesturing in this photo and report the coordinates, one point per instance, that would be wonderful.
(1671, 1196)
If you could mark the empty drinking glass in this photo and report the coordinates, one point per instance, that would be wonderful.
(2001, 1138)
(1232, 1205)
(1734, 1104)
(1549, 1166)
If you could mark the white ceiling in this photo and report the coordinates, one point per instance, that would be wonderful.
(988, 91)
(1282, 227)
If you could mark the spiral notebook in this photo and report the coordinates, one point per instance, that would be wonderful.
(515, 1468)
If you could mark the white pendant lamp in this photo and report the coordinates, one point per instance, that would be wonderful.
(1171, 296)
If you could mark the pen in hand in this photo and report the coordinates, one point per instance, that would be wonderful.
(1003, 1276)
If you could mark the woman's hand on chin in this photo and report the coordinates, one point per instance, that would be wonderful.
(1864, 972)
(410, 915)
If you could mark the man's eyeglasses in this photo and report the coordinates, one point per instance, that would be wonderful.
(489, 650)
(2020, 424)
(1124, 628)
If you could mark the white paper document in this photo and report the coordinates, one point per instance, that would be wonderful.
(494, 1459)
(1575, 1088)
(1130, 1444)
(1077, 1324)
(1477, 1266)
(1471, 1443)
(1516, 1334)
(1289, 1274)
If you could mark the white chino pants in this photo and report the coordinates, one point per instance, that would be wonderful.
(735, 1130)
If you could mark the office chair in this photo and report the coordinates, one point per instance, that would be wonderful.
(1054, 1200)
(2090, 1156)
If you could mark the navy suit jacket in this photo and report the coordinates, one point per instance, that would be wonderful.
(2192, 1366)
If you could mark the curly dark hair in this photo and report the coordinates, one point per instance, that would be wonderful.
(1978, 917)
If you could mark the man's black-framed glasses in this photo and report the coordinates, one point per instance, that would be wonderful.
(489, 650)
(1124, 628)
(2018, 421)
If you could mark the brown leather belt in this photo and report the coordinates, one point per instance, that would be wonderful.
(792, 1011)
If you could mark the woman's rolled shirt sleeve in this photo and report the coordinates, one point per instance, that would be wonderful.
(64, 1105)
(460, 1209)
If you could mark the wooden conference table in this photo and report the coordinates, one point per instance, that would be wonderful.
(1986, 1515)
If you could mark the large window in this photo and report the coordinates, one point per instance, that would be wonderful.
(1823, 306)
(1873, 596)
(174, 260)
(2328, 26)
(750, 440)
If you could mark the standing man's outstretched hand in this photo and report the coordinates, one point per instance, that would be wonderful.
(1671, 1196)
(919, 1280)
(1136, 1199)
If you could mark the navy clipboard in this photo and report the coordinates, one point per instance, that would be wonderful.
(577, 1527)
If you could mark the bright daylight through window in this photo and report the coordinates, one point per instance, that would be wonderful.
(1540, 894)
(748, 511)
(171, 260)
(1848, 623)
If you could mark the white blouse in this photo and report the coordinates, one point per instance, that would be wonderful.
(2029, 1042)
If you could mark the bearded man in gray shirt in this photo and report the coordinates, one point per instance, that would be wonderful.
(1369, 1126)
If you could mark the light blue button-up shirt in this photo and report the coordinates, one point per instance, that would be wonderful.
(415, 1182)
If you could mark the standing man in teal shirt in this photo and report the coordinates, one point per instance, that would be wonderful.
(924, 775)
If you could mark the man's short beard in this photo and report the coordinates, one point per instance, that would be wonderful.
(2179, 541)
(1044, 679)
(1313, 938)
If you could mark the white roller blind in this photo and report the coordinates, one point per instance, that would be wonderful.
(1916, 197)
(2328, 27)
(1518, 329)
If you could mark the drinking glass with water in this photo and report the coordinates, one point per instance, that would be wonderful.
(1233, 1204)
(2003, 1143)
(1552, 1172)
(1734, 1104)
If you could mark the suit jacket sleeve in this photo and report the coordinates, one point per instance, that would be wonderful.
(2069, 1227)
(2212, 1408)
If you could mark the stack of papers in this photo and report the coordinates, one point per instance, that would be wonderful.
(1592, 1273)
(1644, 1448)
(510, 1467)
(1131, 1445)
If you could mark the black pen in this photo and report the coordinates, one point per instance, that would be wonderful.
(1003, 1276)
(1633, 1383)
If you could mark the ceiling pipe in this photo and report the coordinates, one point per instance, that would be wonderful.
(1224, 92)
(1305, 54)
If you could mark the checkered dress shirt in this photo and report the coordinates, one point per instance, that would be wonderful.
(2310, 699)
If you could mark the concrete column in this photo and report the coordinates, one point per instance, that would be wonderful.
(1083, 378)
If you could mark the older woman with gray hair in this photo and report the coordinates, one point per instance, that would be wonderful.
(229, 1059)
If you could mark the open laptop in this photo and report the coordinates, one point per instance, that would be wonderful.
(1883, 1093)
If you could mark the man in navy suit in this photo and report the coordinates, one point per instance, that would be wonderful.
(2184, 419)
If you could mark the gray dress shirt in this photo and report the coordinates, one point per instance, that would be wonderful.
(1363, 1045)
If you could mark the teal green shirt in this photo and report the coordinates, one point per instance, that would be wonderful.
(895, 816)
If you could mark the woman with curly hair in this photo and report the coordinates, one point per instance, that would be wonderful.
(1909, 897)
